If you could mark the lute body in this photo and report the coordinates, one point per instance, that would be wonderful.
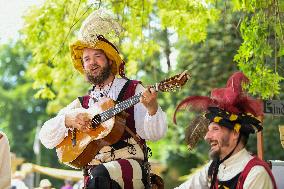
(87, 146)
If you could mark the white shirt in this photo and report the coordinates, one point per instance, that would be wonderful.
(19, 184)
(257, 178)
(147, 127)
(5, 162)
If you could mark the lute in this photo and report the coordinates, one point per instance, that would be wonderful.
(107, 126)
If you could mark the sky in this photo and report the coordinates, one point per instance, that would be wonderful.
(11, 12)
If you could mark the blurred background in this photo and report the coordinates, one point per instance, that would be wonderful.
(209, 38)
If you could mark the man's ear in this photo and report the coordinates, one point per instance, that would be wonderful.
(110, 62)
(236, 135)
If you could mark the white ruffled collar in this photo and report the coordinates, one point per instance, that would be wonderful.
(99, 92)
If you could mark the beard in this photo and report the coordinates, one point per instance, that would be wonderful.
(214, 155)
(101, 77)
(224, 142)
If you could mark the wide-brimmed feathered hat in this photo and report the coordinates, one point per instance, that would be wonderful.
(93, 32)
(230, 107)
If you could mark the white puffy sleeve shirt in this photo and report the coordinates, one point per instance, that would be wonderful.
(256, 179)
(147, 127)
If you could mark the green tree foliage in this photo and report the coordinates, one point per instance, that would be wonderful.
(19, 111)
(47, 34)
(259, 56)
(210, 64)
(50, 28)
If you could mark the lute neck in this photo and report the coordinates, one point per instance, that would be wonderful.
(121, 106)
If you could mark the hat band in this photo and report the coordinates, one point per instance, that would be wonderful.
(244, 123)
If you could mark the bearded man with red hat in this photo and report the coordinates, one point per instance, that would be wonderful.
(228, 116)
(118, 165)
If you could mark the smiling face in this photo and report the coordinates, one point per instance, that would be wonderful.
(96, 65)
(221, 140)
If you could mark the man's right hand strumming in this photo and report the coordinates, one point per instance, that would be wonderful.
(80, 121)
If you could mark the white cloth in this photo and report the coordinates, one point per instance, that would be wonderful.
(258, 178)
(106, 155)
(5, 162)
(147, 127)
(19, 184)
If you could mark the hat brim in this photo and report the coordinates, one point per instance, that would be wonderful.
(77, 53)
(246, 122)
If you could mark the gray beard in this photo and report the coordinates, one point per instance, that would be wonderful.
(97, 80)
(216, 154)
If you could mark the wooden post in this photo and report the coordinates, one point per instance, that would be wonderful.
(260, 145)
(281, 131)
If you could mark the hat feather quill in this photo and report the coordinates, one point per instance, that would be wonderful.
(196, 131)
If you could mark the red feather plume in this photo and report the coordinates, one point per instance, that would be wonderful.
(231, 99)
(196, 103)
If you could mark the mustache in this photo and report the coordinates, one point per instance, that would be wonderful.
(211, 140)
(95, 66)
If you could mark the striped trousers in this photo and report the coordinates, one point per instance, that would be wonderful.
(118, 174)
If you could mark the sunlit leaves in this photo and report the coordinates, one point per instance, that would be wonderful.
(48, 32)
(51, 28)
(189, 18)
(258, 56)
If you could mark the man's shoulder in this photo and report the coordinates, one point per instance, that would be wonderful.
(132, 82)
(255, 161)
(257, 168)
(260, 175)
